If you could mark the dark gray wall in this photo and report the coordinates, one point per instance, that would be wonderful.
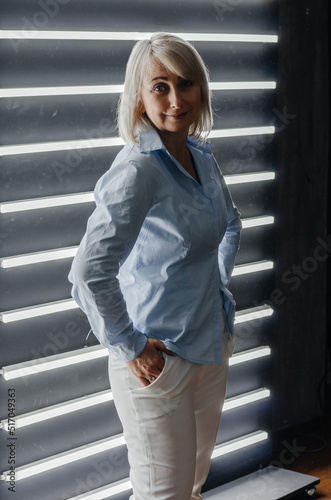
(302, 239)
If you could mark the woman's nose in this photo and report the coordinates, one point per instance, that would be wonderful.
(175, 99)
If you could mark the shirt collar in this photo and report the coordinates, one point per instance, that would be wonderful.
(149, 140)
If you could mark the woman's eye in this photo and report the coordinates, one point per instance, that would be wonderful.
(187, 83)
(160, 87)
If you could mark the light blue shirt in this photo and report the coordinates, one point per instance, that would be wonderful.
(158, 254)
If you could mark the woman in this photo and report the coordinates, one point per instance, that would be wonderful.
(152, 271)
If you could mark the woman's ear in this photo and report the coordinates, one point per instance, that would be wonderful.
(142, 108)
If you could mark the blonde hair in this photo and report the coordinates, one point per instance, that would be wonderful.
(177, 56)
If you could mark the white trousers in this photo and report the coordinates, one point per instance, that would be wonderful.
(171, 425)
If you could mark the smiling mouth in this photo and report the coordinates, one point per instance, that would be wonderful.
(177, 116)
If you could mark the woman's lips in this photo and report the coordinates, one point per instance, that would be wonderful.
(177, 116)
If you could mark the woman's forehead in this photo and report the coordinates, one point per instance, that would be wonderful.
(155, 69)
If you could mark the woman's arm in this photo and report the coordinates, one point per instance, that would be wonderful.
(229, 245)
(123, 198)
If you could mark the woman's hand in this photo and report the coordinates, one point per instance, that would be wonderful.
(149, 364)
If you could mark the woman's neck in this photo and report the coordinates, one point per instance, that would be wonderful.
(176, 146)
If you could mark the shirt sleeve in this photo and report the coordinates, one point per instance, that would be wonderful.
(123, 198)
(229, 245)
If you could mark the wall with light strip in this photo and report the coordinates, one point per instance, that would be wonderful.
(62, 70)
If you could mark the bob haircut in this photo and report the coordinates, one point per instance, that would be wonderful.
(177, 56)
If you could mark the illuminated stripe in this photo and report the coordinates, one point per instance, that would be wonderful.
(39, 310)
(239, 443)
(49, 202)
(37, 366)
(117, 89)
(58, 410)
(65, 458)
(257, 221)
(65, 253)
(41, 365)
(250, 355)
(245, 399)
(253, 314)
(61, 409)
(240, 132)
(46, 147)
(67, 407)
(92, 449)
(252, 267)
(134, 35)
(249, 177)
(37, 257)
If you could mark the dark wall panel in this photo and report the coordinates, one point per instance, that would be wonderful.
(301, 240)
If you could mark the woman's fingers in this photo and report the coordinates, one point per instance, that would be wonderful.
(149, 364)
(161, 347)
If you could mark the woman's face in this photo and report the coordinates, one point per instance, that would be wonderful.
(171, 103)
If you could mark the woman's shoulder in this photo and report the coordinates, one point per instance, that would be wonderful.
(131, 154)
(130, 169)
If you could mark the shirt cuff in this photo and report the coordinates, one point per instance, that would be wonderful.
(131, 347)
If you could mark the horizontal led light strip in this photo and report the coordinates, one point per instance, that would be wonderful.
(104, 492)
(253, 267)
(65, 458)
(91, 400)
(245, 399)
(111, 490)
(47, 147)
(257, 221)
(37, 257)
(117, 89)
(68, 304)
(239, 443)
(250, 177)
(49, 202)
(86, 354)
(250, 355)
(47, 464)
(262, 85)
(65, 253)
(39, 310)
(58, 410)
(54, 362)
(72, 199)
(240, 132)
(252, 314)
(63, 90)
(134, 35)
